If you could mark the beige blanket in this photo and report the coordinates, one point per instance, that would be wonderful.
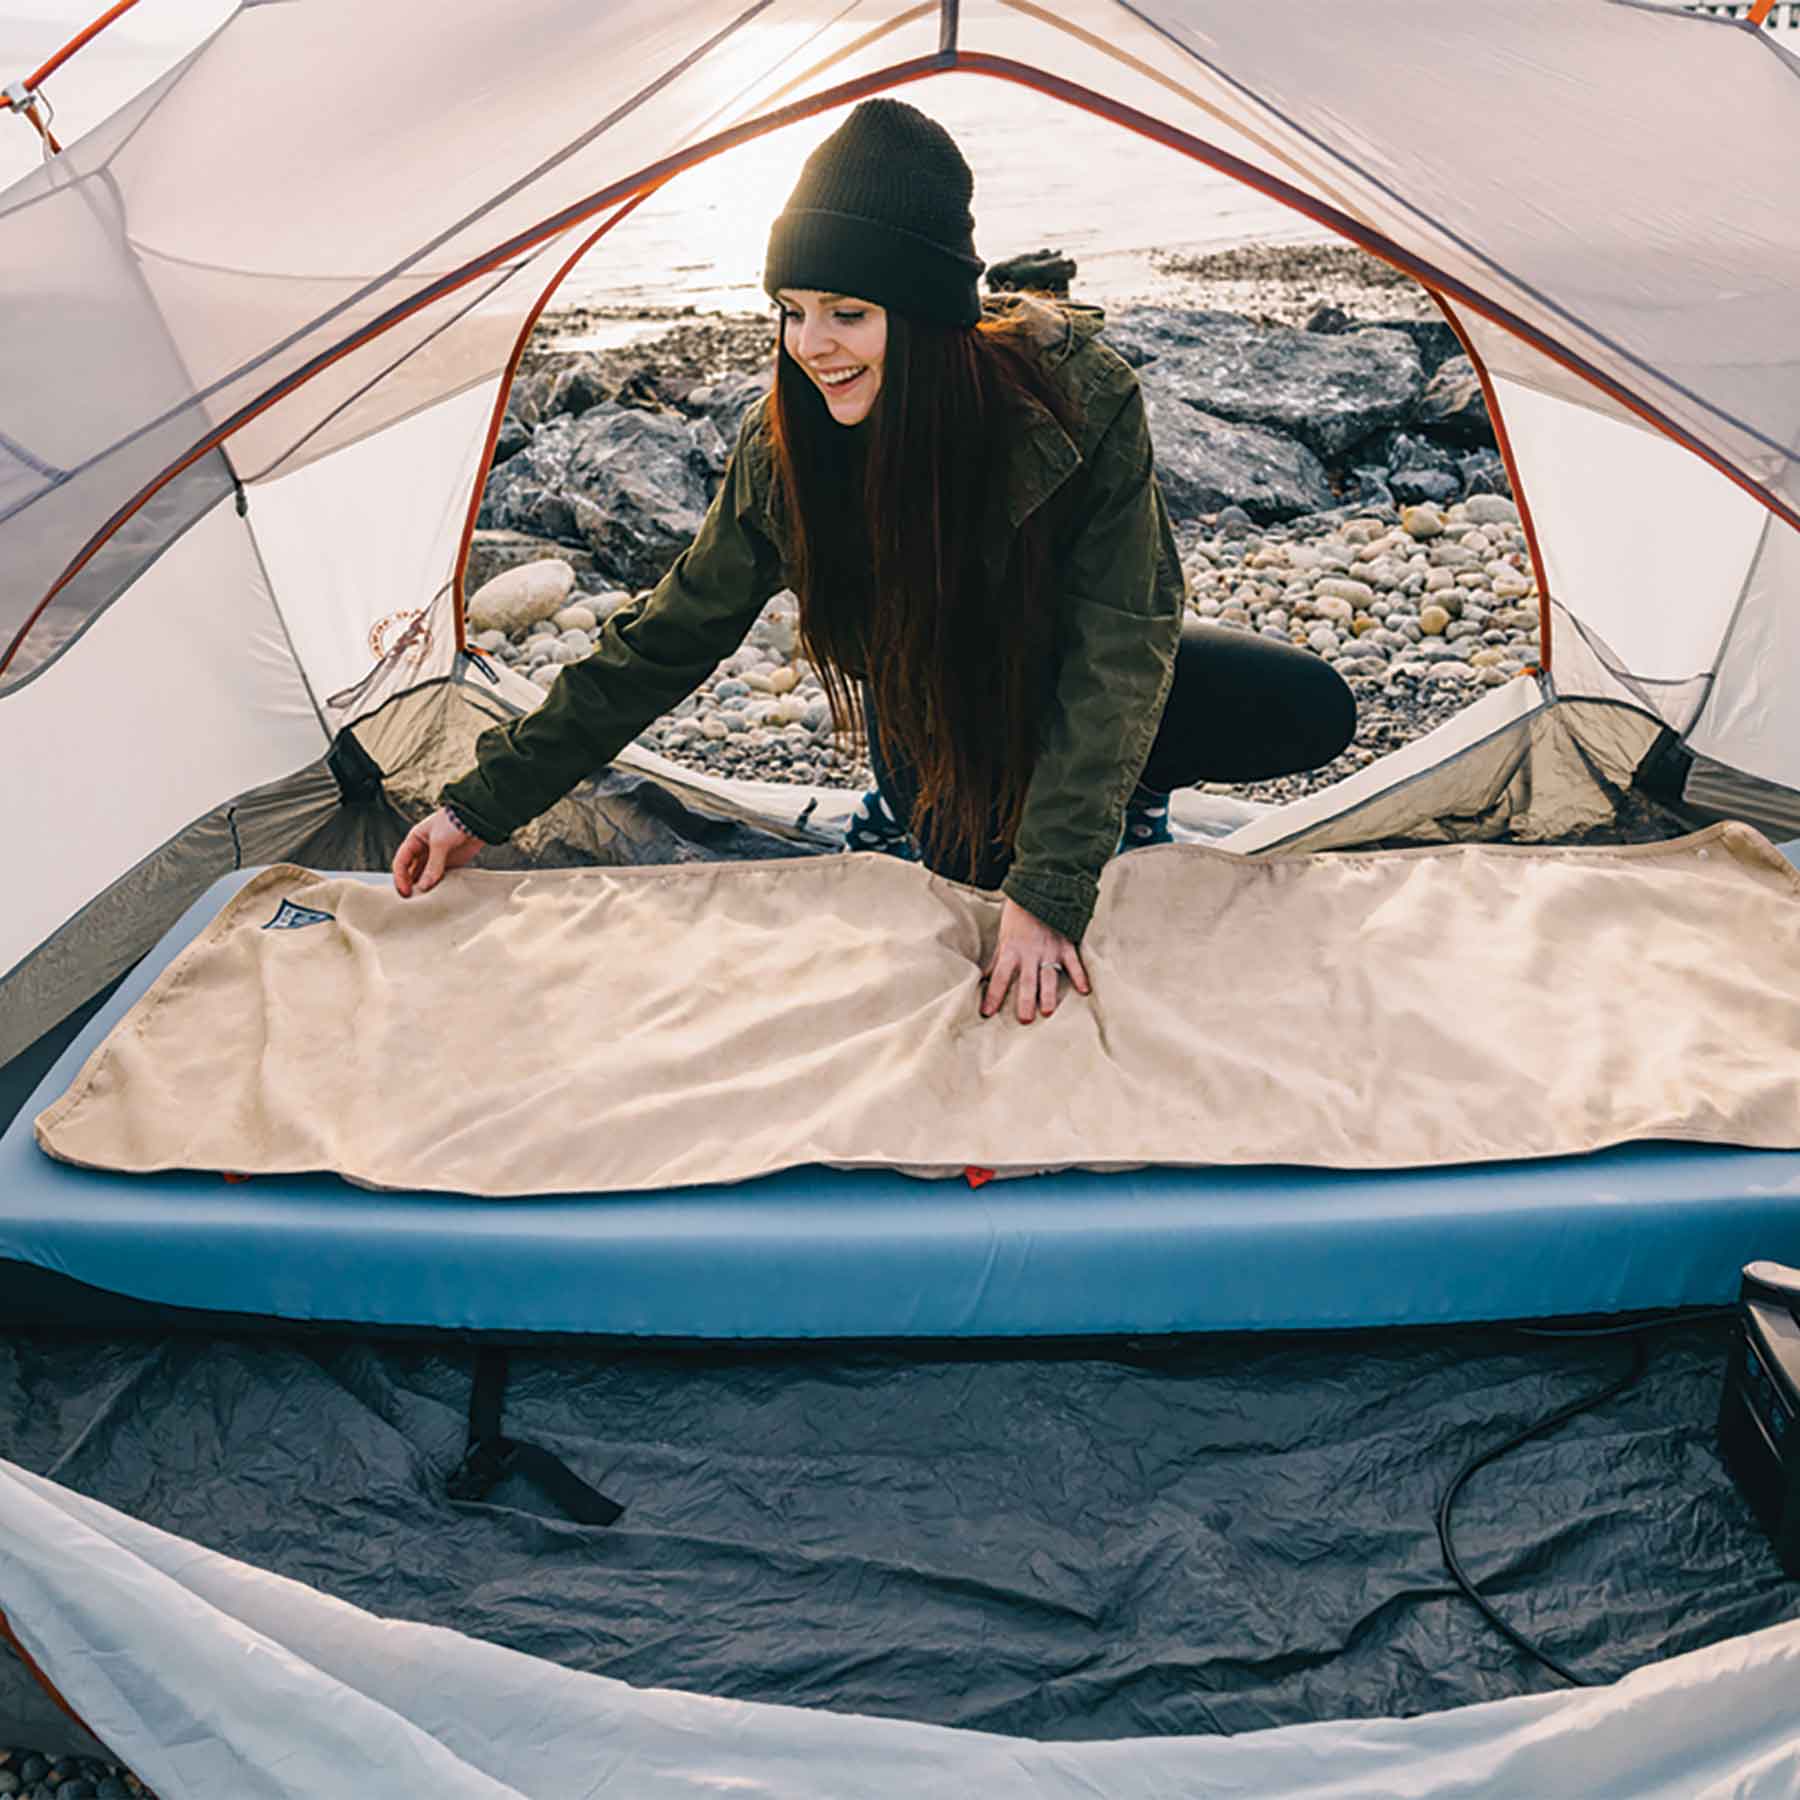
(590, 1030)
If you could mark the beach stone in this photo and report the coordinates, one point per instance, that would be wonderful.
(1342, 588)
(1433, 620)
(714, 727)
(1450, 670)
(1446, 555)
(1437, 580)
(9, 1782)
(576, 640)
(1362, 625)
(783, 680)
(1513, 586)
(576, 618)
(523, 596)
(1328, 606)
(1324, 640)
(1422, 521)
(513, 436)
(1491, 510)
(493, 642)
(1487, 658)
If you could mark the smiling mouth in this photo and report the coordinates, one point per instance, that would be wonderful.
(841, 380)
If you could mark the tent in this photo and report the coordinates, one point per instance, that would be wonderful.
(254, 374)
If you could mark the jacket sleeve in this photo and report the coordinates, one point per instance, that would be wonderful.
(651, 655)
(1122, 602)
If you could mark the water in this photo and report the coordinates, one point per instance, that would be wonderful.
(1046, 175)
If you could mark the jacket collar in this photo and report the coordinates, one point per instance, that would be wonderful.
(1044, 455)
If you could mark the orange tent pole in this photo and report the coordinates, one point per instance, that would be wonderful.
(23, 97)
(1761, 10)
(75, 43)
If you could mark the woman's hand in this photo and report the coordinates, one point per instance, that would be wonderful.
(433, 845)
(1029, 949)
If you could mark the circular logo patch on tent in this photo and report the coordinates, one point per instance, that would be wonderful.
(396, 633)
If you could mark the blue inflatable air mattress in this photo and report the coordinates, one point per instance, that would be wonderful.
(823, 1253)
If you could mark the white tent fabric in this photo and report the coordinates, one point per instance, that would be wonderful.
(258, 325)
(216, 1681)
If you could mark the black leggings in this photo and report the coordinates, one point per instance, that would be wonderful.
(1241, 708)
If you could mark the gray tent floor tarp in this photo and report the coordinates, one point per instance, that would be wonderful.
(1061, 1541)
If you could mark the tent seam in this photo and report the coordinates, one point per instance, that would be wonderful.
(1462, 243)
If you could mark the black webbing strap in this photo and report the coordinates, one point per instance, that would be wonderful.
(490, 1456)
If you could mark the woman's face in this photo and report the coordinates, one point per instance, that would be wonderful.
(839, 342)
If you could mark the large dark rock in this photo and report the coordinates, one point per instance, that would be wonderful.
(1042, 271)
(631, 485)
(1205, 463)
(1328, 391)
(1483, 472)
(1453, 407)
(1413, 486)
(1141, 334)
(726, 400)
(515, 434)
(1399, 451)
(1435, 342)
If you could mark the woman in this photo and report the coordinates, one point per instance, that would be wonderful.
(965, 505)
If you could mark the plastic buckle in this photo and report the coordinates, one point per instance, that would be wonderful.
(18, 96)
(480, 1470)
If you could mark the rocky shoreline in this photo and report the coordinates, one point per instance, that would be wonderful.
(31, 1775)
(1322, 444)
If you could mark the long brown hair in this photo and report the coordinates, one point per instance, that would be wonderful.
(885, 524)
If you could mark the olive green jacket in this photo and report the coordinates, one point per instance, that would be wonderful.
(1121, 604)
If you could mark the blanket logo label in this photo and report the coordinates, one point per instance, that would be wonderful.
(292, 917)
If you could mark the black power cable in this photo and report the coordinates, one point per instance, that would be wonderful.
(1636, 1330)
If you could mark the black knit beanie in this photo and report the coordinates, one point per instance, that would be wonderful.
(881, 212)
